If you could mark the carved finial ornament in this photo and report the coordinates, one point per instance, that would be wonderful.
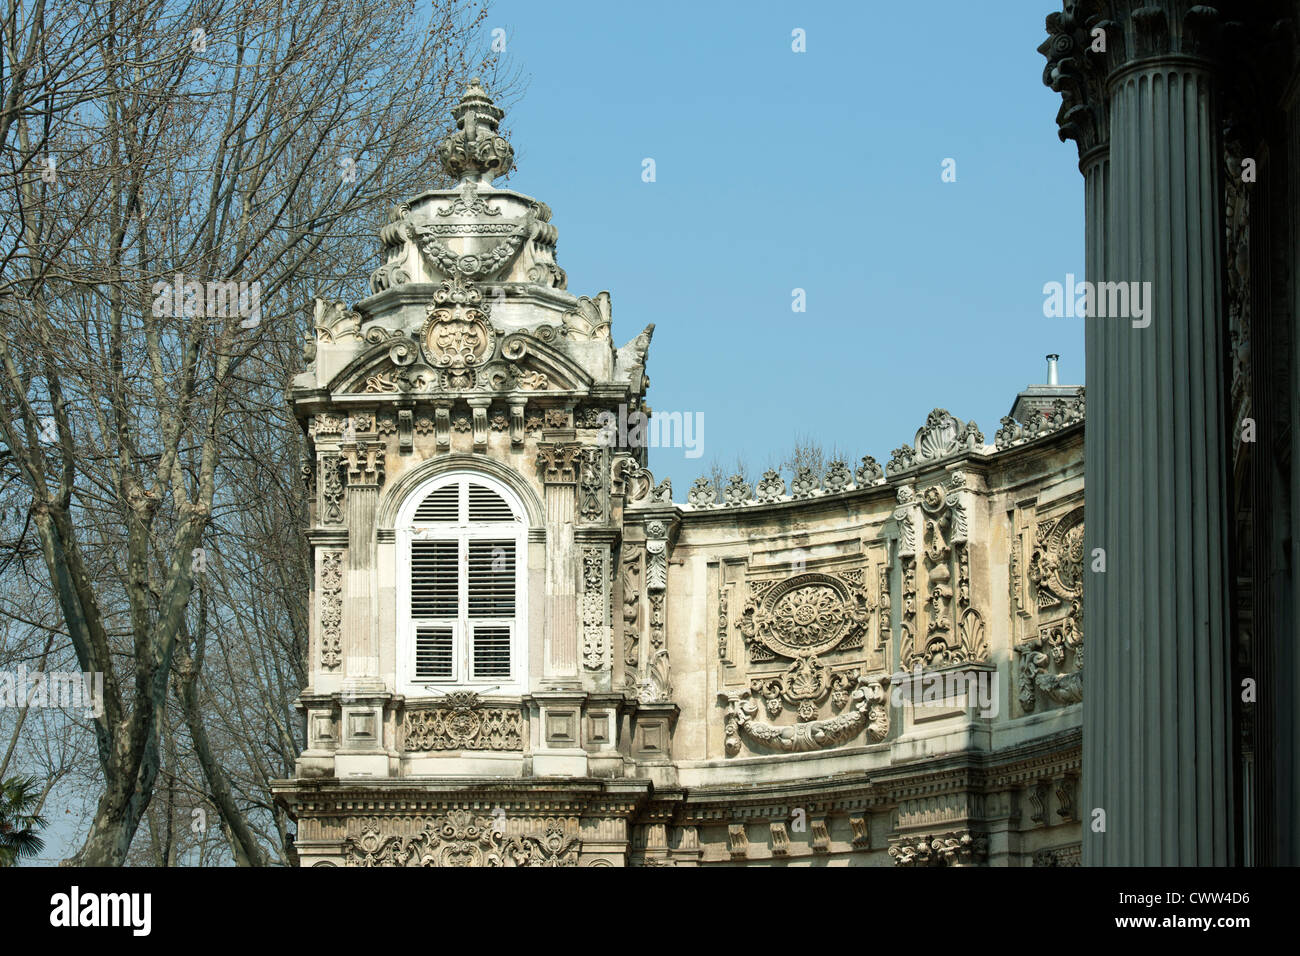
(474, 150)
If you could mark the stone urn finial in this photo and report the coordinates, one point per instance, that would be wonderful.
(474, 150)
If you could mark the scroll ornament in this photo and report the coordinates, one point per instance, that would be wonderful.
(868, 710)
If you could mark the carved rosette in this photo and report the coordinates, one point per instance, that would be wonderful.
(800, 619)
(805, 615)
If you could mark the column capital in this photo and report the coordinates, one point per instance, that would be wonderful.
(1090, 41)
(558, 460)
(365, 462)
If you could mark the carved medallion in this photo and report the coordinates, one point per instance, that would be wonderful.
(805, 615)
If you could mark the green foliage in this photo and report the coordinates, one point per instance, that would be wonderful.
(20, 822)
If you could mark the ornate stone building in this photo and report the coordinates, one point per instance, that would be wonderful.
(526, 652)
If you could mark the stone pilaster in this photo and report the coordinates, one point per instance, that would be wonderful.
(559, 475)
(365, 474)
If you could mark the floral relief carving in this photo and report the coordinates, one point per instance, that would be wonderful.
(462, 723)
(550, 847)
(954, 629)
(456, 334)
(458, 839)
(703, 494)
(631, 571)
(595, 624)
(801, 618)
(331, 490)
(331, 609)
(945, 849)
(770, 487)
(1055, 571)
(591, 485)
(941, 436)
(868, 710)
(806, 614)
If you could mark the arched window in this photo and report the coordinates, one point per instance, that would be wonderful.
(461, 553)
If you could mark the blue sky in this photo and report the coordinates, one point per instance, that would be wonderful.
(820, 170)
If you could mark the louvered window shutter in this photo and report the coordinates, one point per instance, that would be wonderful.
(464, 580)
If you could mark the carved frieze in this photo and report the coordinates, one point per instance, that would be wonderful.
(461, 722)
(552, 846)
(458, 839)
(958, 848)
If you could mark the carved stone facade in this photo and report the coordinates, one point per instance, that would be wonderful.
(830, 670)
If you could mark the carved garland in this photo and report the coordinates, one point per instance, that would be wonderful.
(869, 711)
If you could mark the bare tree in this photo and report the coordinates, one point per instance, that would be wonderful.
(177, 179)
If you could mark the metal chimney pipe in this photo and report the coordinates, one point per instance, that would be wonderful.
(1052, 377)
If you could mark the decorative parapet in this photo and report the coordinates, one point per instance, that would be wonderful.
(1063, 414)
(942, 437)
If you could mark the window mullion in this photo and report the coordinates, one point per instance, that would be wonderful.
(463, 609)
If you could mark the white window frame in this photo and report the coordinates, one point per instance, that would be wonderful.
(408, 531)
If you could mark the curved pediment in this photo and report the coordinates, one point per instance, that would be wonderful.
(519, 362)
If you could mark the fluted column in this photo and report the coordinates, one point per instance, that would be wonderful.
(1287, 794)
(1157, 711)
(559, 475)
(365, 470)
